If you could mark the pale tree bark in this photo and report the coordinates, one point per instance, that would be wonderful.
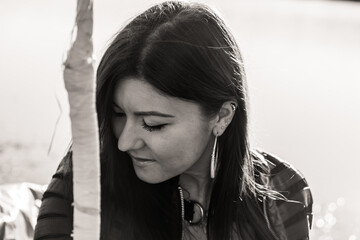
(80, 84)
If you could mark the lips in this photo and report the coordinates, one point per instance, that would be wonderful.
(141, 161)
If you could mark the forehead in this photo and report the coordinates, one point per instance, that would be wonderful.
(135, 94)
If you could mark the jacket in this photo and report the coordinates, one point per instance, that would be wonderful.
(289, 218)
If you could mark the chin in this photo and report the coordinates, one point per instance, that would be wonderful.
(150, 180)
(148, 177)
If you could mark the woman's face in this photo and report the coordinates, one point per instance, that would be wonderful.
(164, 136)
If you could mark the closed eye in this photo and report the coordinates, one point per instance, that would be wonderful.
(152, 128)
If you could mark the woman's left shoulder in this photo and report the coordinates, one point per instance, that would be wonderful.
(292, 217)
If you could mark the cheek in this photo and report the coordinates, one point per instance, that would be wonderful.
(195, 145)
(183, 147)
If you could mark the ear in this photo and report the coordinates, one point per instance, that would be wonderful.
(224, 117)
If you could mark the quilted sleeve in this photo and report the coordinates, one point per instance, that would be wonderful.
(291, 218)
(56, 212)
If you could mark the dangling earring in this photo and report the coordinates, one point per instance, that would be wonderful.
(214, 158)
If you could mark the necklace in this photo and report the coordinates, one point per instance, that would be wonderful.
(182, 211)
(192, 211)
(193, 216)
(192, 227)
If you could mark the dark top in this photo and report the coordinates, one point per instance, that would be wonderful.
(289, 220)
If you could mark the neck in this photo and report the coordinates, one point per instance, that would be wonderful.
(196, 181)
(196, 187)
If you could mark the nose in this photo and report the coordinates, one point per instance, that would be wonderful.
(130, 139)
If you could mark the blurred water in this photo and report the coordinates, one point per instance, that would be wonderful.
(302, 60)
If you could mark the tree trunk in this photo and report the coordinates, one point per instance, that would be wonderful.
(80, 84)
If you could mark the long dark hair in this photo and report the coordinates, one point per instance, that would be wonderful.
(186, 51)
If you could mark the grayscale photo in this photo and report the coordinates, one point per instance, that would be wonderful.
(179, 120)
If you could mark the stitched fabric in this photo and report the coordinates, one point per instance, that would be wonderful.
(290, 220)
(55, 219)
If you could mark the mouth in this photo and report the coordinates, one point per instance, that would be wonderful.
(142, 162)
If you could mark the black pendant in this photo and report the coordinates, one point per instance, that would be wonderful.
(189, 207)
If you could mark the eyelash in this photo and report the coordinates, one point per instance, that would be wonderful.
(152, 128)
(144, 125)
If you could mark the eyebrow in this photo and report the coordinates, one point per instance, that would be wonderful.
(148, 113)
(153, 113)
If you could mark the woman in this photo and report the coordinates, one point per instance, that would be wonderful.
(176, 163)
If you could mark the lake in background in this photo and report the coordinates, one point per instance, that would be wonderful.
(303, 66)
